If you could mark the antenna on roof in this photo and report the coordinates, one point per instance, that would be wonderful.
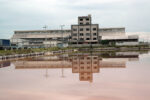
(45, 27)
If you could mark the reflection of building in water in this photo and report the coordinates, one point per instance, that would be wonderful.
(4, 64)
(42, 64)
(84, 64)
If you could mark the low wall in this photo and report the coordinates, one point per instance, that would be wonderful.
(84, 45)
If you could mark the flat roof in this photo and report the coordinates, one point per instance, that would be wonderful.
(84, 24)
(4, 39)
(40, 30)
(113, 28)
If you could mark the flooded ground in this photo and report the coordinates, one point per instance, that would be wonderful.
(78, 76)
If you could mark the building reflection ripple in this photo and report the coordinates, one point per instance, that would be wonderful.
(86, 64)
(4, 64)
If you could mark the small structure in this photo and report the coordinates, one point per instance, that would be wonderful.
(4, 44)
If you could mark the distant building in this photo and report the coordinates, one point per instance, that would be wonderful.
(82, 34)
(85, 32)
(40, 38)
(4, 44)
(117, 36)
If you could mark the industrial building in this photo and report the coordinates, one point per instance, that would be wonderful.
(40, 38)
(117, 36)
(82, 34)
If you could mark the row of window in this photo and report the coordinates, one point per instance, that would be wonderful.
(81, 19)
(30, 32)
(88, 67)
(95, 62)
(87, 29)
(84, 39)
(87, 34)
(87, 23)
(82, 58)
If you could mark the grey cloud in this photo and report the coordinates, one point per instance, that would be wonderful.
(19, 15)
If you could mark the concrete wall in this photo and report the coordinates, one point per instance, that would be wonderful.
(112, 31)
(24, 37)
(84, 32)
(127, 43)
(66, 33)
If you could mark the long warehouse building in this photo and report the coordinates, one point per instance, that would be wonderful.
(63, 38)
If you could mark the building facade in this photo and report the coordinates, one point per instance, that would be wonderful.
(40, 38)
(85, 32)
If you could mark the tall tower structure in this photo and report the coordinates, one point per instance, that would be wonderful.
(85, 32)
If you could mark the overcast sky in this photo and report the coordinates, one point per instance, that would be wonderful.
(34, 14)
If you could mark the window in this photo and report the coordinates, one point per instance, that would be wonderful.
(74, 34)
(94, 34)
(74, 38)
(94, 29)
(94, 38)
(88, 77)
(88, 58)
(81, 23)
(75, 58)
(95, 57)
(88, 62)
(87, 34)
(75, 68)
(87, 29)
(87, 23)
(82, 78)
(81, 39)
(95, 62)
(75, 63)
(82, 73)
(82, 58)
(81, 29)
(87, 38)
(81, 19)
(87, 18)
(88, 73)
(81, 62)
(74, 29)
(81, 34)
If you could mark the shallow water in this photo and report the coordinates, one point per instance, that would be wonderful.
(84, 76)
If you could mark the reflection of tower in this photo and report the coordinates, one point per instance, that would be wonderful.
(46, 74)
(62, 70)
(85, 66)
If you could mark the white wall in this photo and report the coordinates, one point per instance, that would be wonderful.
(127, 43)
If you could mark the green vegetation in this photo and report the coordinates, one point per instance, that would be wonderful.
(25, 51)
(11, 52)
(104, 42)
